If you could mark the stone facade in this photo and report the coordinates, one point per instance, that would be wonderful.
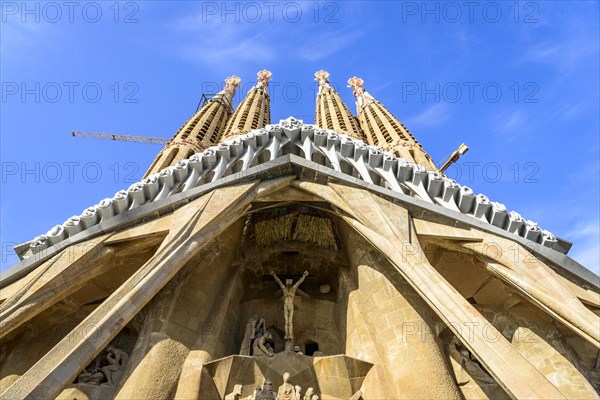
(395, 297)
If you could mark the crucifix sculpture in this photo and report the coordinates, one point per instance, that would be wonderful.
(289, 291)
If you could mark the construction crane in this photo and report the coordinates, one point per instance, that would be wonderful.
(122, 138)
(462, 149)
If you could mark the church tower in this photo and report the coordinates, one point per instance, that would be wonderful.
(254, 111)
(199, 132)
(294, 260)
(331, 112)
(384, 130)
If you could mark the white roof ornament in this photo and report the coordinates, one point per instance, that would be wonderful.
(323, 146)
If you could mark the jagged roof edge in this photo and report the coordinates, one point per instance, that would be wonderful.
(281, 166)
(338, 151)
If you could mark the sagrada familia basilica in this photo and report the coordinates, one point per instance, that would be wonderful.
(297, 261)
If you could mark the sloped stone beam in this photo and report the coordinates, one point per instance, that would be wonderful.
(193, 226)
(387, 228)
(535, 281)
(522, 271)
(55, 279)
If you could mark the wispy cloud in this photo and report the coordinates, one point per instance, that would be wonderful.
(245, 48)
(434, 115)
(510, 125)
(565, 54)
(567, 49)
(324, 46)
(21, 38)
(586, 247)
(211, 41)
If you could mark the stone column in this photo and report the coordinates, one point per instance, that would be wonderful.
(389, 325)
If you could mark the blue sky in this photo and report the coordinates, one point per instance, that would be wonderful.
(518, 82)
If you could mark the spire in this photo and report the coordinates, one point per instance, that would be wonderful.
(254, 111)
(384, 130)
(200, 131)
(331, 112)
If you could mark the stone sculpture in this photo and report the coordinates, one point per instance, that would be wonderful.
(116, 361)
(235, 395)
(84, 377)
(310, 394)
(255, 328)
(256, 394)
(263, 346)
(287, 391)
(267, 391)
(104, 367)
(468, 365)
(297, 350)
(289, 291)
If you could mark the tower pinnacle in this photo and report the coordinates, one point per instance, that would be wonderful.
(331, 112)
(231, 83)
(363, 97)
(264, 77)
(254, 111)
(322, 78)
(384, 130)
(201, 130)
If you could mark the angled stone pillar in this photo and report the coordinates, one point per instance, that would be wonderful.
(389, 325)
(388, 228)
(193, 371)
(193, 226)
(532, 279)
(57, 278)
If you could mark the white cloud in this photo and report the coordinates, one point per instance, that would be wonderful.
(509, 124)
(211, 41)
(570, 48)
(328, 43)
(434, 115)
(21, 38)
(586, 244)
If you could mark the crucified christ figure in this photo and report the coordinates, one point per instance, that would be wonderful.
(289, 292)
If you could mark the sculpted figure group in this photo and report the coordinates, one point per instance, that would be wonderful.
(286, 391)
(103, 368)
(257, 341)
(468, 366)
